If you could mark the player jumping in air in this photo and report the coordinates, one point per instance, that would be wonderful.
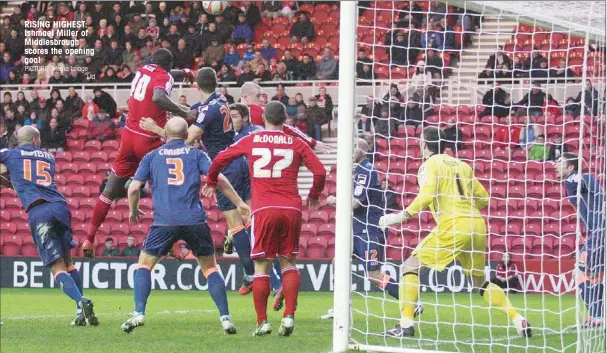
(448, 186)
(150, 97)
(32, 174)
(175, 170)
(591, 265)
(274, 159)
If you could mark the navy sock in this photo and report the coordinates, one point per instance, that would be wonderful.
(69, 287)
(242, 244)
(596, 303)
(585, 293)
(217, 289)
(75, 274)
(392, 288)
(143, 287)
(275, 276)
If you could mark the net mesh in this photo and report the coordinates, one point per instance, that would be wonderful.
(467, 67)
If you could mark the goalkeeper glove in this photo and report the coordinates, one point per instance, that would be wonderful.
(392, 218)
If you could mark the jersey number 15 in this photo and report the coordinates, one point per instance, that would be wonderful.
(42, 177)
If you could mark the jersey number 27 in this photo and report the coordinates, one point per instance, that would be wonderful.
(265, 154)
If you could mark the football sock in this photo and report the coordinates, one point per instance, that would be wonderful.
(242, 244)
(409, 295)
(217, 289)
(389, 285)
(496, 297)
(261, 292)
(75, 274)
(275, 275)
(143, 287)
(68, 286)
(596, 306)
(102, 207)
(290, 286)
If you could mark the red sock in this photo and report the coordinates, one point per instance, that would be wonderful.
(102, 207)
(290, 286)
(261, 292)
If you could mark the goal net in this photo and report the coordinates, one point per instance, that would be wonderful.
(513, 85)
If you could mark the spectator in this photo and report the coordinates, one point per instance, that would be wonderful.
(507, 137)
(454, 137)
(551, 107)
(300, 120)
(361, 61)
(492, 98)
(498, 60)
(292, 107)
(6, 67)
(8, 101)
(529, 133)
(213, 55)
(434, 64)
(263, 74)
(532, 102)
(291, 62)
(271, 9)
(110, 77)
(147, 51)
(114, 55)
(12, 78)
(557, 148)
(224, 29)
(226, 74)
(432, 40)
(246, 76)
(130, 249)
(315, 118)
(89, 109)
(412, 114)
(11, 121)
(41, 81)
(109, 249)
(64, 123)
(242, 32)
(299, 99)
(22, 101)
(101, 128)
(126, 75)
(232, 58)
(365, 128)
(518, 68)
(533, 61)
(367, 74)
(393, 93)
(267, 50)
(437, 11)
(280, 95)
(326, 68)
(281, 73)
(251, 12)
(422, 96)
(562, 73)
(4, 136)
(21, 114)
(224, 90)
(183, 56)
(386, 126)
(506, 275)
(421, 76)
(103, 99)
(325, 101)
(152, 31)
(183, 101)
(32, 119)
(53, 138)
(399, 52)
(302, 30)
(307, 69)
(248, 56)
(55, 97)
(372, 109)
(258, 60)
(505, 74)
(447, 33)
(185, 253)
(591, 102)
(13, 141)
(541, 74)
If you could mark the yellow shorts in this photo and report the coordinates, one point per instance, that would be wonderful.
(462, 239)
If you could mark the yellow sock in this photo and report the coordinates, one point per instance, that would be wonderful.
(496, 297)
(408, 294)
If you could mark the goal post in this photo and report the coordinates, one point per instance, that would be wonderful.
(529, 215)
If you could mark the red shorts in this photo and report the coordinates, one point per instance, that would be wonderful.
(275, 231)
(133, 147)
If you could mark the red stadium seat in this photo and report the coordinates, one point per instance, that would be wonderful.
(82, 191)
(80, 157)
(5, 216)
(29, 247)
(98, 157)
(146, 205)
(87, 204)
(63, 157)
(326, 230)
(78, 217)
(74, 145)
(92, 145)
(80, 229)
(396, 249)
(111, 145)
(520, 248)
(69, 169)
(93, 180)
(11, 244)
(330, 248)
(565, 247)
(219, 229)
(88, 169)
(317, 247)
(74, 181)
(114, 216)
(318, 217)
(120, 229)
(309, 230)
(544, 246)
(139, 230)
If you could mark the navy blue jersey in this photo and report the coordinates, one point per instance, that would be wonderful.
(591, 208)
(367, 190)
(32, 173)
(214, 118)
(246, 130)
(175, 170)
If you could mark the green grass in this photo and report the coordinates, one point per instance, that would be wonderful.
(38, 320)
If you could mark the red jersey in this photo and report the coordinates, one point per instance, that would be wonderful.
(274, 159)
(506, 273)
(256, 113)
(147, 79)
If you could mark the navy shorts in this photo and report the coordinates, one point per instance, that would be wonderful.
(369, 248)
(161, 239)
(592, 258)
(51, 227)
(237, 174)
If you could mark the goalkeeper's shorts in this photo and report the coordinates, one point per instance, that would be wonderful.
(460, 239)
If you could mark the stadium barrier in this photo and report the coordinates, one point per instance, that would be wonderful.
(548, 276)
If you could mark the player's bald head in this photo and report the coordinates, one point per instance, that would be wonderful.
(360, 150)
(249, 92)
(176, 129)
(362, 145)
(206, 78)
(28, 135)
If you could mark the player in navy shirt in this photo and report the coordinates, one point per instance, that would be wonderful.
(591, 264)
(32, 174)
(174, 170)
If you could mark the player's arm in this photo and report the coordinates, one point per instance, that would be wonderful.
(141, 176)
(224, 158)
(361, 184)
(314, 165)
(194, 133)
(184, 75)
(316, 145)
(481, 196)
(162, 99)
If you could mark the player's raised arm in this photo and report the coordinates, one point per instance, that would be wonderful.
(481, 196)
(142, 175)
(224, 158)
(314, 165)
(316, 145)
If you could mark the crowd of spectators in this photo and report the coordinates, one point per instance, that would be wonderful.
(130, 249)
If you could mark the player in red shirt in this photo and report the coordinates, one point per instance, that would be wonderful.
(274, 159)
(150, 97)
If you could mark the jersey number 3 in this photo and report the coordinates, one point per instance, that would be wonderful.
(265, 159)
(175, 173)
(43, 177)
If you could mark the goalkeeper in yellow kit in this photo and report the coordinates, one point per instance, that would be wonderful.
(455, 196)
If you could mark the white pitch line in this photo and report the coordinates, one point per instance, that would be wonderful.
(166, 312)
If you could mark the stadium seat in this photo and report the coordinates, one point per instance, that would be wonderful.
(146, 205)
(69, 169)
(80, 157)
(565, 246)
(92, 145)
(139, 230)
(63, 157)
(309, 230)
(330, 248)
(81, 192)
(520, 247)
(544, 246)
(303, 244)
(11, 244)
(28, 248)
(88, 169)
(80, 229)
(74, 145)
(396, 249)
(5, 216)
(87, 204)
(18, 216)
(317, 247)
(326, 230)
(23, 229)
(74, 180)
(78, 217)
(218, 230)
(318, 217)
(93, 180)
(111, 145)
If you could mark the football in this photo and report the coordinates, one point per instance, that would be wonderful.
(214, 7)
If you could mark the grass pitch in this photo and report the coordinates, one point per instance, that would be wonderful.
(38, 320)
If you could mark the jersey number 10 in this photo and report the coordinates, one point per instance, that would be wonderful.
(139, 86)
(265, 155)
(43, 177)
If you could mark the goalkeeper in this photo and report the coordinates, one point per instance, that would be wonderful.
(454, 195)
